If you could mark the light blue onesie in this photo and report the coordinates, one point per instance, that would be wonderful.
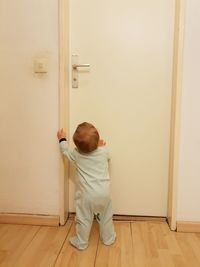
(92, 194)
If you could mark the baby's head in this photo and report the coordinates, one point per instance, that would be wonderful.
(86, 137)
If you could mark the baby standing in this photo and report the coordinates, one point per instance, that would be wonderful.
(92, 185)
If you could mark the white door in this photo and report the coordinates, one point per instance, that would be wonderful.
(126, 94)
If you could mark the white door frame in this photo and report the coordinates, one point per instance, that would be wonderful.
(175, 107)
(63, 104)
(175, 113)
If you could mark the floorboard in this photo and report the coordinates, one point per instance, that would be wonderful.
(120, 254)
(45, 247)
(138, 244)
(71, 257)
(14, 240)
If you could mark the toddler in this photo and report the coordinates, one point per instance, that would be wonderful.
(92, 186)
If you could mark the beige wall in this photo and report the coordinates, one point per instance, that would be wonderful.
(189, 165)
(29, 156)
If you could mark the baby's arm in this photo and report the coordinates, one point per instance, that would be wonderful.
(64, 147)
(61, 134)
(101, 142)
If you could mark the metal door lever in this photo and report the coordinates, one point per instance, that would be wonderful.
(75, 67)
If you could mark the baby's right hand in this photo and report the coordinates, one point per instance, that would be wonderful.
(101, 143)
(61, 134)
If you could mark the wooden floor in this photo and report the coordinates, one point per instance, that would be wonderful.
(138, 244)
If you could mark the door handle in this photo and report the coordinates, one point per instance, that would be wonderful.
(75, 66)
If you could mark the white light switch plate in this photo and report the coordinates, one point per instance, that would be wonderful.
(40, 65)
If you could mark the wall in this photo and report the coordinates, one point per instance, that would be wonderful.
(189, 164)
(29, 155)
(29, 111)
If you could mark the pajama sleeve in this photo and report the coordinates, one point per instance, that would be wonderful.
(64, 147)
(107, 153)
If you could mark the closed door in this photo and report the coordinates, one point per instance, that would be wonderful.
(126, 94)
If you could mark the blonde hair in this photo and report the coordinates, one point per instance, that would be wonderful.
(86, 137)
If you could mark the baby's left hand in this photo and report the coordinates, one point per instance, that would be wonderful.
(61, 134)
(101, 143)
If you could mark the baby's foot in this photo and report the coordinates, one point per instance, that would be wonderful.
(77, 244)
(110, 241)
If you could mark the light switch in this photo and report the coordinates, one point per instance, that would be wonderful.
(40, 65)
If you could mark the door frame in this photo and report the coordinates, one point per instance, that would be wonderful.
(177, 72)
(63, 7)
(63, 46)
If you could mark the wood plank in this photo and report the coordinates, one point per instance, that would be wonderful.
(155, 245)
(179, 261)
(120, 254)
(30, 219)
(194, 243)
(13, 241)
(172, 244)
(158, 235)
(138, 244)
(45, 247)
(165, 258)
(151, 244)
(187, 252)
(72, 257)
(144, 245)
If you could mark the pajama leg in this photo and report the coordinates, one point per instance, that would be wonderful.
(84, 219)
(107, 232)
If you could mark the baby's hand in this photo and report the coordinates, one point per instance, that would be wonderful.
(61, 134)
(101, 143)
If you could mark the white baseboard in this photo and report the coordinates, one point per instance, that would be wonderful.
(188, 227)
(30, 219)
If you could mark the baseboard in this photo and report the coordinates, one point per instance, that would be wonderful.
(117, 217)
(188, 227)
(53, 220)
(30, 219)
